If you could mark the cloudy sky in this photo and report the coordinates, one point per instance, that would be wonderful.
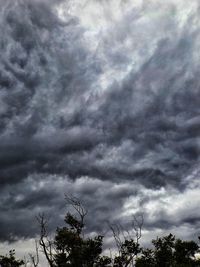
(99, 99)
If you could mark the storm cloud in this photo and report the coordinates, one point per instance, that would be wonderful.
(102, 105)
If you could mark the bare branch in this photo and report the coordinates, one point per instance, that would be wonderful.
(137, 224)
(127, 241)
(44, 241)
(78, 207)
(35, 258)
(116, 231)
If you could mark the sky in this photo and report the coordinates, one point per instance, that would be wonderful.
(100, 100)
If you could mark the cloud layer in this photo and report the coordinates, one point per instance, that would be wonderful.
(104, 106)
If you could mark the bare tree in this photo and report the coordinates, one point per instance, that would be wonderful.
(35, 258)
(69, 246)
(81, 211)
(45, 242)
(127, 241)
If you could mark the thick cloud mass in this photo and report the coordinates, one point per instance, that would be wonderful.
(104, 106)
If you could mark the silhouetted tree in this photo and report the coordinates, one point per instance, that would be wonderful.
(169, 252)
(10, 260)
(34, 259)
(127, 243)
(70, 247)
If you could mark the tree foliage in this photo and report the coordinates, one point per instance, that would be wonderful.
(10, 260)
(169, 252)
(71, 247)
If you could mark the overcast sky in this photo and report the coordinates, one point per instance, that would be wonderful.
(100, 99)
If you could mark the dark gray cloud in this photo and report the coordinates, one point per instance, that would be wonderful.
(110, 115)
